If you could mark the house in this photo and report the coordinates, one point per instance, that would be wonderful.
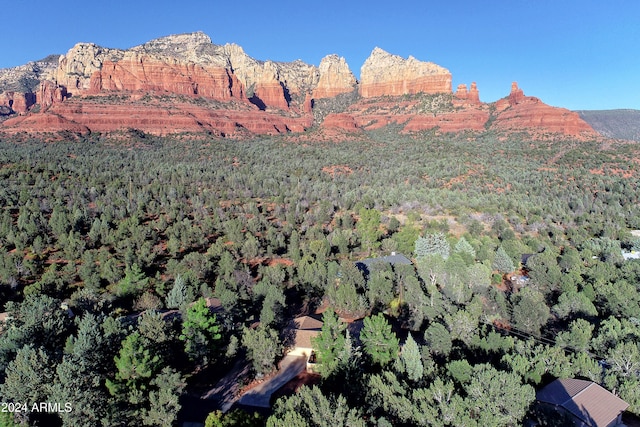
(302, 330)
(524, 258)
(584, 403)
(394, 259)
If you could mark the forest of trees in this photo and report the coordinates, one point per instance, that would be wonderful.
(110, 247)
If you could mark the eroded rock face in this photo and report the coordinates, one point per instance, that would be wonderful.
(471, 96)
(18, 102)
(185, 83)
(19, 85)
(386, 74)
(142, 73)
(155, 117)
(518, 112)
(50, 93)
(80, 63)
(335, 78)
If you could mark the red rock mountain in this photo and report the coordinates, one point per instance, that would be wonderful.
(185, 83)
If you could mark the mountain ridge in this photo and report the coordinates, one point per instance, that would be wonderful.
(186, 83)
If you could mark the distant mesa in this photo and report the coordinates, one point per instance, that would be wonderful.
(185, 83)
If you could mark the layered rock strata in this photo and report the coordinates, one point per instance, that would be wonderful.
(384, 74)
(185, 83)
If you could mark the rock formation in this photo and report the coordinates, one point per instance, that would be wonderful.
(517, 95)
(472, 96)
(50, 94)
(185, 83)
(78, 65)
(141, 73)
(386, 74)
(335, 78)
(518, 112)
(18, 102)
(18, 85)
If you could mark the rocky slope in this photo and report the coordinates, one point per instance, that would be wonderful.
(19, 84)
(185, 83)
(620, 124)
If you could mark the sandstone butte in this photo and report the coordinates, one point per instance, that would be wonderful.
(185, 83)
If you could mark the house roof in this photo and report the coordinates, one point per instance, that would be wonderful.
(304, 328)
(586, 400)
(392, 259)
(3, 316)
(303, 338)
(389, 259)
(307, 323)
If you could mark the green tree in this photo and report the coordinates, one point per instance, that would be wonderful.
(200, 332)
(38, 320)
(574, 303)
(368, 228)
(410, 360)
(235, 418)
(163, 399)
(380, 288)
(310, 407)
(379, 341)
(502, 261)
(135, 367)
(76, 382)
(488, 401)
(178, 295)
(465, 250)
(432, 244)
(28, 377)
(578, 337)
(263, 347)
(329, 344)
(530, 312)
(134, 281)
(438, 339)
(544, 271)
(273, 302)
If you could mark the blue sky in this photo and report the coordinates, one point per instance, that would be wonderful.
(573, 54)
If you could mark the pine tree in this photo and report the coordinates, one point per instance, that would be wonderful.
(263, 347)
(379, 341)
(177, 296)
(200, 331)
(410, 360)
(432, 244)
(134, 281)
(502, 261)
(329, 343)
(464, 248)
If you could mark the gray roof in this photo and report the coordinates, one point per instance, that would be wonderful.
(586, 400)
(389, 259)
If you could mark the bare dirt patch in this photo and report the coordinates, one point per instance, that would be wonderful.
(337, 170)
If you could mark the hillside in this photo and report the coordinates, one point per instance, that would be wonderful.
(620, 124)
(186, 83)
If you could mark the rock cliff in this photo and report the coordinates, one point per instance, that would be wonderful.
(18, 85)
(186, 83)
(386, 74)
(335, 78)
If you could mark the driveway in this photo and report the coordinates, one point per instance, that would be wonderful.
(260, 395)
